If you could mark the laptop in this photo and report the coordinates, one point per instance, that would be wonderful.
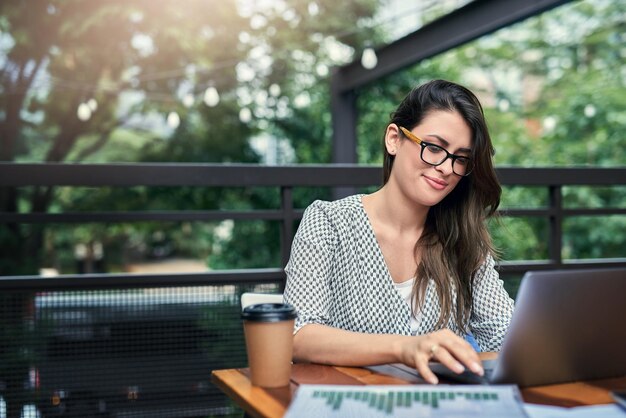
(567, 325)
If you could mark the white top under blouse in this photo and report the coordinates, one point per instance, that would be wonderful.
(405, 289)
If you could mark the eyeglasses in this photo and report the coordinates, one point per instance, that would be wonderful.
(435, 155)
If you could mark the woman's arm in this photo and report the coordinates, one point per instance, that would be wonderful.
(327, 345)
(492, 308)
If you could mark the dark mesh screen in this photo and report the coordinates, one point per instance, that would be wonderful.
(121, 353)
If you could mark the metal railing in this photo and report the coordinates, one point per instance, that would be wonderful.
(286, 178)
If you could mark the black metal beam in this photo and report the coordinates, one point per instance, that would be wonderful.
(137, 216)
(343, 109)
(250, 175)
(555, 236)
(527, 213)
(580, 176)
(522, 266)
(127, 281)
(286, 229)
(344, 115)
(164, 174)
(476, 19)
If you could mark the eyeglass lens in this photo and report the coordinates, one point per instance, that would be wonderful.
(436, 155)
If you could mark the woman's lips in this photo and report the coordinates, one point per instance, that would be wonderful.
(436, 183)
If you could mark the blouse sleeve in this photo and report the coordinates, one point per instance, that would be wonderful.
(492, 308)
(310, 267)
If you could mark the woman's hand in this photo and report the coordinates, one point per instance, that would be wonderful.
(443, 346)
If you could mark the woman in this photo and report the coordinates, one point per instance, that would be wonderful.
(400, 275)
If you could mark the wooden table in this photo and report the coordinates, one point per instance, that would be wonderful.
(272, 403)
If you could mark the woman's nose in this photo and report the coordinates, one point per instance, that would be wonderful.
(446, 166)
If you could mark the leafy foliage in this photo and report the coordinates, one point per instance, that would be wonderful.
(552, 87)
(553, 92)
(134, 63)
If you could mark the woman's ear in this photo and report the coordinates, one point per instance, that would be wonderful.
(392, 138)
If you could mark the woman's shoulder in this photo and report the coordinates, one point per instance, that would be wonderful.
(337, 207)
(330, 217)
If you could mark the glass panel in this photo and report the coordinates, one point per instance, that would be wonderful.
(155, 247)
(251, 244)
(594, 197)
(511, 283)
(145, 198)
(521, 197)
(304, 196)
(521, 238)
(594, 237)
(141, 247)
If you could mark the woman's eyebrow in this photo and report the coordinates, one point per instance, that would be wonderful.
(447, 144)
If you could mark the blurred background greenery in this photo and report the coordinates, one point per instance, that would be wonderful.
(247, 81)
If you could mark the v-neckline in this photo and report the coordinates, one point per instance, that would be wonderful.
(372, 235)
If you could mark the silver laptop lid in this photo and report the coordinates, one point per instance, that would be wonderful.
(568, 325)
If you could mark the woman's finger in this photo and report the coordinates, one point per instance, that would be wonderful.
(421, 364)
(444, 357)
(465, 354)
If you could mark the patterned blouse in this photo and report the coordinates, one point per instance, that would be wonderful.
(337, 276)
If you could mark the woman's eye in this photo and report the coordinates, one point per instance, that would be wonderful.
(434, 149)
(462, 160)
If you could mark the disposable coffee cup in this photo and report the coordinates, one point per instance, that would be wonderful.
(268, 328)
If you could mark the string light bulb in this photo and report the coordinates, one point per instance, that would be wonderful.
(313, 8)
(369, 60)
(83, 112)
(275, 90)
(245, 115)
(188, 100)
(321, 69)
(93, 104)
(590, 111)
(173, 120)
(211, 97)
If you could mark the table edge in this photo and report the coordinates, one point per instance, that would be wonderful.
(270, 407)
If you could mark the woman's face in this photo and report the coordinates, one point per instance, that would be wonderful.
(423, 183)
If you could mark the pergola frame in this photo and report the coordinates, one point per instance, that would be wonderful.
(463, 25)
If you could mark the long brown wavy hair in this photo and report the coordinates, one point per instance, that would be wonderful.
(455, 241)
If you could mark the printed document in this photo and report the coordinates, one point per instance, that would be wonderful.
(399, 401)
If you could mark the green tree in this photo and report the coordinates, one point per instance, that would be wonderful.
(83, 52)
(119, 65)
(553, 92)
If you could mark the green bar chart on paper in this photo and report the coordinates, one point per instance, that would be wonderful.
(387, 401)
(405, 401)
